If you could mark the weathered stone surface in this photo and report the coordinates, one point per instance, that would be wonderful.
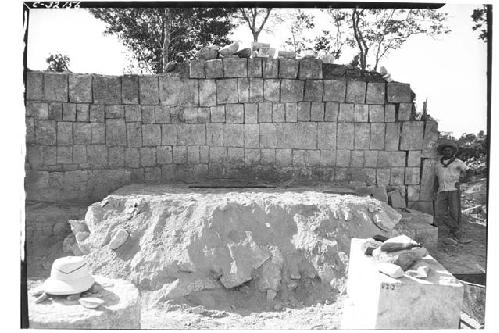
(207, 93)
(334, 90)
(327, 136)
(291, 112)
(383, 176)
(164, 154)
(304, 111)
(97, 155)
(56, 87)
(297, 135)
(243, 90)
(251, 113)
(265, 112)
(251, 135)
(214, 69)
(427, 180)
(313, 90)
(270, 68)
(361, 135)
(331, 111)
(234, 67)
(190, 134)
(423, 206)
(218, 155)
(149, 90)
(148, 156)
(215, 134)
(254, 67)
(414, 158)
(427, 310)
(288, 68)
(377, 136)
(80, 88)
(234, 135)
(116, 156)
(343, 158)
(197, 69)
(267, 136)
(82, 112)
(345, 136)
(317, 111)
(292, 90)
(272, 90)
(218, 114)
(361, 113)
(278, 113)
(116, 133)
(151, 135)
(390, 113)
(97, 113)
(399, 92)
(356, 91)
(64, 155)
(405, 111)
(431, 135)
(121, 309)
(371, 158)
(64, 133)
(130, 89)
(34, 85)
(392, 132)
(397, 176)
(412, 135)
(256, 91)
(208, 52)
(376, 113)
(375, 93)
(346, 113)
(391, 159)
(106, 89)
(176, 91)
(112, 112)
(161, 114)
(236, 155)
(54, 110)
(227, 91)
(357, 158)
(234, 113)
(148, 114)
(396, 200)
(45, 132)
(310, 69)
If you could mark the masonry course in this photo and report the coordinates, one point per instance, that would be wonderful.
(253, 119)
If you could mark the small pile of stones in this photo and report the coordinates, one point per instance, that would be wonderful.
(91, 298)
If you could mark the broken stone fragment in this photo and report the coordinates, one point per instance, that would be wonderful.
(397, 200)
(82, 235)
(309, 56)
(96, 288)
(37, 292)
(119, 238)
(73, 297)
(267, 52)
(391, 270)
(77, 226)
(286, 55)
(42, 298)
(245, 53)
(91, 302)
(208, 52)
(405, 258)
(398, 243)
(292, 285)
(230, 49)
(259, 45)
(420, 273)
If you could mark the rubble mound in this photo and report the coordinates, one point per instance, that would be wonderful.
(277, 244)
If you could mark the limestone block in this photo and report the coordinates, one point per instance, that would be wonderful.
(317, 111)
(218, 155)
(190, 134)
(283, 157)
(176, 91)
(311, 69)
(193, 154)
(413, 192)
(256, 92)
(288, 68)
(64, 155)
(254, 67)
(404, 111)
(404, 303)
(45, 132)
(30, 129)
(397, 176)
(383, 176)
(40, 156)
(414, 158)
(313, 90)
(112, 112)
(97, 156)
(80, 88)
(291, 112)
(427, 180)
(327, 136)
(392, 135)
(297, 135)
(423, 206)
(116, 156)
(357, 158)
(251, 113)
(213, 69)
(304, 111)
(278, 112)
(97, 132)
(116, 132)
(197, 69)
(106, 89)
(234, 135)
(97, 113)
(265, 112)
(148, 114)
(334, 90)
(341, 174)
(267, 156)
(164, 154)
(152, 174)
(226, 91)
(243, 90)
(41, 110)
(149, 90)
(79, 154)
(34, 86)
(161, 114)
(361, 113)
(218, 114)
(327, 157)
(376, 113)
(292, 90)
(343, 158)
(375, 93)
(356, 91)
(377, 136)
(361, 135)
(412, 135)
(371, 175)
(151, 135)
(371, 157)
(207, 93)
(235, 113)
(251, 135)
(345, 136)
(299, 157)
(215, 134)
(148, 156)
(132, 157)
(270, 68)
(431, 135)
(204, 154)
(346, 113)
(391, 159)
(267, 135)
(390, 113)
(396, 199)
(134, 134)
(56, 87)
(82, 112)
(252, 156)
(130, 89)
(64, 133)
(54, 111)
(234, 67)
(331, 111)
(313, 157)
(399, 93)
(236, 155)
(272, 90)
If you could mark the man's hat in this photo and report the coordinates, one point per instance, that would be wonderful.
(69, 275)
(446, 143)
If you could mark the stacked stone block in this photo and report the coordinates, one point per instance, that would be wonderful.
(228, 118)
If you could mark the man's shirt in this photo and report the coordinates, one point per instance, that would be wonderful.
(449, 175)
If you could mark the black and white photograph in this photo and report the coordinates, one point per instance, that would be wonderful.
(254, 165)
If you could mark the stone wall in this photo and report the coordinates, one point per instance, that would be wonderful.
(249, 119)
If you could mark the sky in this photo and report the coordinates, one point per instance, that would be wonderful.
(448, 71)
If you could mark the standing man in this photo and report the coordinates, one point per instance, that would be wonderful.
(449, 171)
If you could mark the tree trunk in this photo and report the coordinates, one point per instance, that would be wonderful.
(167, 19)
(255, 35)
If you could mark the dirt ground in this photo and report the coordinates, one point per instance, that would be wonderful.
(243, 312)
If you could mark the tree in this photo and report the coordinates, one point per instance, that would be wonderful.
(58, 62)
(480, 18)
(300, 23)
(157, 36)
(256, 19)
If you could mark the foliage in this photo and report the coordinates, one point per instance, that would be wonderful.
(256, 19)
(300, 23)
(157, 36)
(58, 62)
(480, 18)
